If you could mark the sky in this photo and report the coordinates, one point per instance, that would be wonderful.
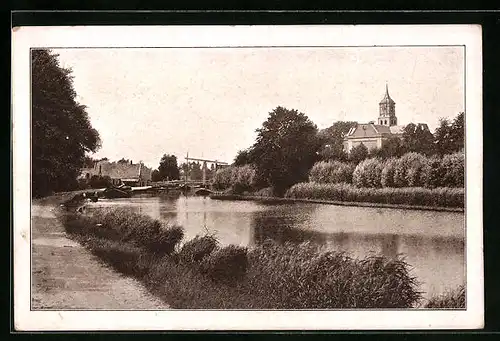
(208, 102)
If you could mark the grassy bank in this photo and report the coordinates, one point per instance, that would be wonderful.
(412, 196)
(201, 274)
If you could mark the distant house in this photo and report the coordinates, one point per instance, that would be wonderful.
(372, 134)
(120, 173)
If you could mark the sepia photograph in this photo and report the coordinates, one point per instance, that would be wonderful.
(253, 172)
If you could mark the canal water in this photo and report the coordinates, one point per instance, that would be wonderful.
(431, 242)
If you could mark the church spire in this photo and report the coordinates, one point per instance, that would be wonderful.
(387, 113)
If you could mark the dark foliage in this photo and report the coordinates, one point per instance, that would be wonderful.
(168, 168)
(61, 129)
(285, 149)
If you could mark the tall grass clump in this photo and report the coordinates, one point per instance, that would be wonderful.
(227, 264)
(194, 250)
(454, 299)
(127, 227)
(438, 197)
(331, 172)
(302, 277)
(368, 173)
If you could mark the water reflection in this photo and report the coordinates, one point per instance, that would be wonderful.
(280, 223)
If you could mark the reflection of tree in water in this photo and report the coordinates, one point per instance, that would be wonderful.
(361, 245)
(390, 245)
(284, 223)
(168, 206)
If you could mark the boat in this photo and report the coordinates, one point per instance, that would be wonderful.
(116, 192)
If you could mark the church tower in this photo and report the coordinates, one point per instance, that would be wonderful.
(387, 110)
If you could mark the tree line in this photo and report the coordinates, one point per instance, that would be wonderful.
(288, 144)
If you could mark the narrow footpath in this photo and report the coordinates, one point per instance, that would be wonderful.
(67, 276)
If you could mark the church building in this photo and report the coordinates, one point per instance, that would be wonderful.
(372, 134)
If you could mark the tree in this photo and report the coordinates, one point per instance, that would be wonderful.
(155, 175)
(418, 138)
(358, 153)
(124, 161)
(392, 147)
(449, 136)
(442, 137)
(61, 130)
(285, 149)
(457, 132)
(168, 168)
(332, 140)
(242, 158)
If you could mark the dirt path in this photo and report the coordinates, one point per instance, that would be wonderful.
(67, 276)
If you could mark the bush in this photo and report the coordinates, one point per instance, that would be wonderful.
(408, 170)
(368, 173)
(222, 178)
(331, 172)
(434, 173)
(454, 299)
(453, 168)
(387, 174)
(240, 179)
(197, 248)
(226, 264)
(265, 192)
(442, 197)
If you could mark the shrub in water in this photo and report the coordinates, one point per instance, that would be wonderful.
(368, 173)
(226, 264)
(197, 248)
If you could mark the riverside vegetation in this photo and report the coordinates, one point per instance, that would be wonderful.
(202, 274)
(412, 179)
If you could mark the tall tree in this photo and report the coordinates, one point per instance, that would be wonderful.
(392, 147)
(417, 138)
(332, 140)
(285, 149)
(442, 137)
(61, 130)
(457, 132)
(242, 158)
(358, 153)
(168, 168)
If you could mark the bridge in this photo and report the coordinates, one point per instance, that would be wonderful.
(203, 167)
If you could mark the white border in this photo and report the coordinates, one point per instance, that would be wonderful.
(25, 38)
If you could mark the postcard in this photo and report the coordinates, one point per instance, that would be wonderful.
(247, 177)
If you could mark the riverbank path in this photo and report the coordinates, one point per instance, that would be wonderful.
(65, 275)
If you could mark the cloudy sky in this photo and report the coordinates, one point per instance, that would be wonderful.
(208, 102)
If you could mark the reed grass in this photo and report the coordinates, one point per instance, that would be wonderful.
(437, 197)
